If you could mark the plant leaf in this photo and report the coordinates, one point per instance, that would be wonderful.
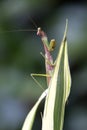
(59, 89)
(30, 117)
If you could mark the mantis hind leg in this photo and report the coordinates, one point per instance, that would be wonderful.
(36, 81)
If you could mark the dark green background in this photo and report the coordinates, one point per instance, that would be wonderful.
(20, 56)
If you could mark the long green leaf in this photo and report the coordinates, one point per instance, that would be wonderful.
(59, 89)
(30, 117)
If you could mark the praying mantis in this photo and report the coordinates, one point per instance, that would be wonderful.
(48, 47)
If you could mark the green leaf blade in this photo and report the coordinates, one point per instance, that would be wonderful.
(28, 123)
(59, 89)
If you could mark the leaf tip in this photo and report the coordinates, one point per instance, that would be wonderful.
(65, 32)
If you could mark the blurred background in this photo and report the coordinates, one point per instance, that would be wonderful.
(20, 56)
